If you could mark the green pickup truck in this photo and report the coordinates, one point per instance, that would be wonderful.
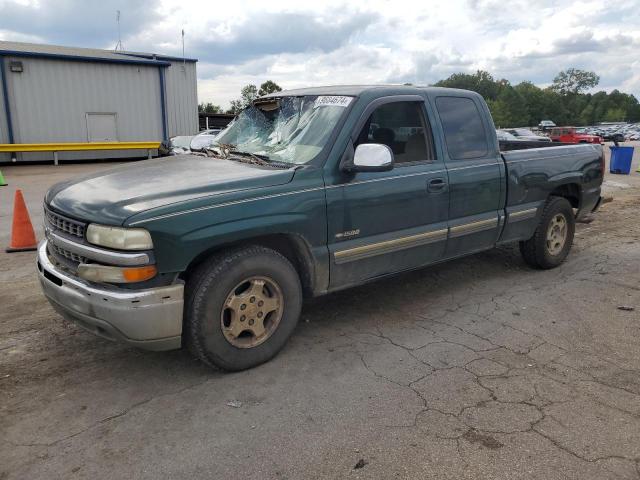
(307, 192)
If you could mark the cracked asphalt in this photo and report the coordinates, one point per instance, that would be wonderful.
(480, 368)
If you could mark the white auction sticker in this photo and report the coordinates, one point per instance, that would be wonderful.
(332, 101)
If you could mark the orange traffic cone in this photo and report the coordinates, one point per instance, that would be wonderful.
(23, 239)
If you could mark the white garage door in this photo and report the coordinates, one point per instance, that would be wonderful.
(101, 127)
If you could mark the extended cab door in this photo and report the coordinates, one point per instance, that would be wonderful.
(384, 222)
(475, 169)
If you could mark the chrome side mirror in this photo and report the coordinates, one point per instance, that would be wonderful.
(371, 157)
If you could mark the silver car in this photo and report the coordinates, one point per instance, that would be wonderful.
(526, 134)
(204, 139)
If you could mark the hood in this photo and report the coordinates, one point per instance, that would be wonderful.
(112, 196)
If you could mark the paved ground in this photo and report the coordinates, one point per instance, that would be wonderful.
(479, 368)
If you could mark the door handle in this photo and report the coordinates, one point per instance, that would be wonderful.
(436, 185)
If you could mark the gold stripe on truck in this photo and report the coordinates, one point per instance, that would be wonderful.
(388, 246)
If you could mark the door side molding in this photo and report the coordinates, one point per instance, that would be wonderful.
(389, 246)
(473, 227)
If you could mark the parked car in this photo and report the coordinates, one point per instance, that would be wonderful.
(508, 141)
(505, 136)
(545, 125)
(617, 132)
(569, 135)
(204, 139)
(526, 134)
(613, 136)
(180, 144)
(210, 131)
(325, 188)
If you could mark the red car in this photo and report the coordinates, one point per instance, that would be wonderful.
(569, 135)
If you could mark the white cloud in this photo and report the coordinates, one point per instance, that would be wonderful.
(298, 44)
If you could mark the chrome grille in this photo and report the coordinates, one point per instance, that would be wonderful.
(74, 257)
(72, 227)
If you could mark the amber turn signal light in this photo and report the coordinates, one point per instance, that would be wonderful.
(139, 274)
(107, 274)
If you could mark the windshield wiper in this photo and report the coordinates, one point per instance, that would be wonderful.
(257, 158)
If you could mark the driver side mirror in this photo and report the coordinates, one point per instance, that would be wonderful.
(369, 157)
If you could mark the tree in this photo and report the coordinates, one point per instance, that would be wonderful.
(481, 82)
(574, 81)
(268, 87)
(614, 115)
(209, 108)
(565, 102)
(533, 98)
(247, 95)
(509, 109)
(236, 107)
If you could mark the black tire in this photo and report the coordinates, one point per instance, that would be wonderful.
(206, 292)
(535, 251)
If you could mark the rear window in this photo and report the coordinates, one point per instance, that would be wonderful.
(464, 131)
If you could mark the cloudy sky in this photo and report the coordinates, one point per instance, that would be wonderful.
(297, 43)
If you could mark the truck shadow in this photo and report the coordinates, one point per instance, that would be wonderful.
(453, 278)
(366, 308)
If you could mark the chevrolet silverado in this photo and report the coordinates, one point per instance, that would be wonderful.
(306, 192)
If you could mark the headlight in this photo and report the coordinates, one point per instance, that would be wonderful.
(119, 238)
(106, 274)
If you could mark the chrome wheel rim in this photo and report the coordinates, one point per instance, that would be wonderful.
(557, 234)
(252, 312)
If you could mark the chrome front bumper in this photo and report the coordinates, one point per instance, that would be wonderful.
(149, 319)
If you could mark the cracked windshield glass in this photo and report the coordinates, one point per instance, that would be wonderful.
(288, 129)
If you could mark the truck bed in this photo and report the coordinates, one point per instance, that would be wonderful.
(573, 171)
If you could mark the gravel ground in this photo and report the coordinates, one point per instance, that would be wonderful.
(478, 368)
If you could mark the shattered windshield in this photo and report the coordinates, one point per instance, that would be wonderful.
(287, 129)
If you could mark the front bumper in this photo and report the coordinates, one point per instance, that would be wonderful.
(150, 319)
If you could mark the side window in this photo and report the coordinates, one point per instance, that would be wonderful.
(464, 131)
(401, 126)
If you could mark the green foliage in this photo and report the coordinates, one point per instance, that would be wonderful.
(249, 93)
(268, 87)
(481, 82)
(564, 102)
(574, 81)
(509, 109)
(614, 115)
(209, 108)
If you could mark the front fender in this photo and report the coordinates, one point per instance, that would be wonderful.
(181, 237)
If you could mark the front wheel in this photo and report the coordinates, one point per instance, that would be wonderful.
(241, 308)
(553, 238)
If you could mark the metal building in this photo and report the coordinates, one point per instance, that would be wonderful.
(52, 94)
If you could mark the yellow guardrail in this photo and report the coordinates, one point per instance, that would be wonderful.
(76, 147)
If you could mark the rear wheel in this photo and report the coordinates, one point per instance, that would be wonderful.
(553, 238)
(241, 307)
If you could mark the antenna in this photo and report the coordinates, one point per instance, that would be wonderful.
(183, 59)
(119, 44)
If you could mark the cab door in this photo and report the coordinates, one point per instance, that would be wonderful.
(385, 222)
(475, 170)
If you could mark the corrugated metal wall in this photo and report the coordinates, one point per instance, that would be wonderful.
(182, 98)
(50, 100)
(4, 130)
